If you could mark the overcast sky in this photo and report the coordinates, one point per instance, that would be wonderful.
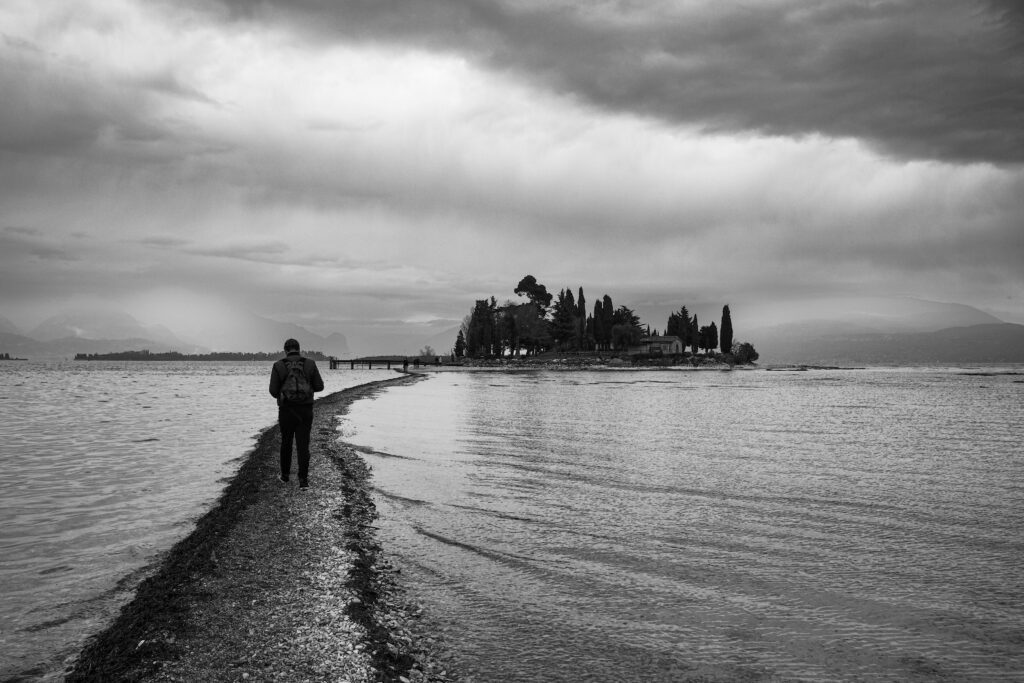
(363, 163)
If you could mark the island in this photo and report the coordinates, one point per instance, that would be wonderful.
(563, 325)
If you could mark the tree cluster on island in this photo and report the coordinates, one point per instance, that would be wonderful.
(545, 323)
(146, 355)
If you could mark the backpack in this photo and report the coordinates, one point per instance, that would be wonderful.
(296, 387)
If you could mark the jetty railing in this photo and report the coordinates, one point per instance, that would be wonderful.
(385, 361)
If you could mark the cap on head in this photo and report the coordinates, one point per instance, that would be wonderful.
(291, 345)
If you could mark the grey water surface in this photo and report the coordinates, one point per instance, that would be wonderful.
(860, 525)
(105, 466)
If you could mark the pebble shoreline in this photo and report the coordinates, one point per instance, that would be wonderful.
(276, 584)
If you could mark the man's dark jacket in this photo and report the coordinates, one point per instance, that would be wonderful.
(280, 372)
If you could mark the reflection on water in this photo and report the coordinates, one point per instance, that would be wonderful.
(822, 525)
(105, 466)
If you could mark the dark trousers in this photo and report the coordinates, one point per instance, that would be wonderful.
(296, 423)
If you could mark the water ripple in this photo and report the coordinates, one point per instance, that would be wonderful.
(749, 526)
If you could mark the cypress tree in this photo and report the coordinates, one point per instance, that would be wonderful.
(460, 345)
(598, 324)
(607, 320)
(563, 320)
(581, 322)
(477, 338)
(492, 329)
(684, 326)
(726, 331)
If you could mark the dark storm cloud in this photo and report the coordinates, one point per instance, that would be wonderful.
(927, 79)
(43, 111)
(52, 104)
(398, 160)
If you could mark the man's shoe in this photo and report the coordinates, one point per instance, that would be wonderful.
(303, 484)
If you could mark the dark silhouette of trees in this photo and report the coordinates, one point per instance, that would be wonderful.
(563, 320)
(460, 345)
(526, 328)
(726, 332)
(596, 325)
(534, 291)
(545, 322)
(708, 337)
(571, 328)
(679, 326)
(604, 314)
(526, 325)
(482, 338)
(582, 339)
(507, 327)
(626, 328)
(744, 352)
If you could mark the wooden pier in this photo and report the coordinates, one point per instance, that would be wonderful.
(383, 362)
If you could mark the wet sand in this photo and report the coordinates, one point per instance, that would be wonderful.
(276, 583)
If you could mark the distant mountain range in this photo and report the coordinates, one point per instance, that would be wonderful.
(986, 343)
(101, 326)
(63, 336)
(894, 331)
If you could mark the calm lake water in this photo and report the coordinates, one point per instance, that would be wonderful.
(106, 465)
(859, 525)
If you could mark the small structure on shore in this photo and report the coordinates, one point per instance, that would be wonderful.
(657, 346)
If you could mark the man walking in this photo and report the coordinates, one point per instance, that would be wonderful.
(293, 380)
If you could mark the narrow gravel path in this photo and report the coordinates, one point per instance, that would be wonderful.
(275, 584)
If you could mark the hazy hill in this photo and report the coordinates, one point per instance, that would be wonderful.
(103, 325)
(262, 334)
(18, 345)
(987, 343)
(6, 326)
(859, 314)
(238, 330)
(915, 315)
(875, 330)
